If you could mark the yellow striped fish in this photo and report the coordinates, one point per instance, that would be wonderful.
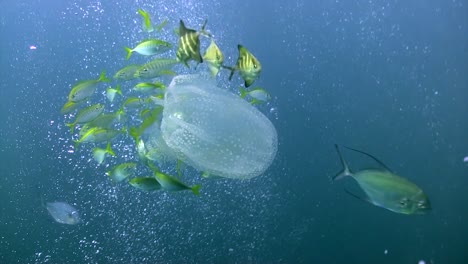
(247, 65)
(149, 47)
(84, 89)
(156, 68)
(214, 58)
(86, 115)
(189, 44)
(70, 106)
(127, 73)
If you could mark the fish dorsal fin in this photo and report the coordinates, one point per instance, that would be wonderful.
(242, 51)
(204, 32)
(372, 157)
(204, 25)
(182, 29)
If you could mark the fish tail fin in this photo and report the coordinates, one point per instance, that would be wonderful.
(345, 172)
(134, 133)
(146, 20)
(129, 52)
(196, 189)
(71, 126)
(121, 111)
(144, 14)
(77, 143)
(118, 89)
(120, 114)
(243, 92)
(103, 78)
(99, 155)
(109, 150)
(110, 94)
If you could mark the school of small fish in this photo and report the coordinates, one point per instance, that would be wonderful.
(97, 126)
(381, 187)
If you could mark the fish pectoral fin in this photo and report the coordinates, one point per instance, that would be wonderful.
(365, 199)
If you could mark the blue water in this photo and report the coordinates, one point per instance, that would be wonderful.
(387, 77)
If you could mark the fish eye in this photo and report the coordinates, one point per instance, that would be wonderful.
(255, 66)
(145, 70)
(404, 202)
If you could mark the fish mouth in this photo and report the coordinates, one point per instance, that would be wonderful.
(424, 210)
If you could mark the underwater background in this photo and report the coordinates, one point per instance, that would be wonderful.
(386, 77)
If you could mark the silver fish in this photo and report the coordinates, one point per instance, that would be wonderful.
(63, 213)
(385, 189)
(156, 68)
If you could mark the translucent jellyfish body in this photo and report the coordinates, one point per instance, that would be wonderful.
(216, 131)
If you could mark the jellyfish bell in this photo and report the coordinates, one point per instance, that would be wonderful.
(214, 130)
(156, 148)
